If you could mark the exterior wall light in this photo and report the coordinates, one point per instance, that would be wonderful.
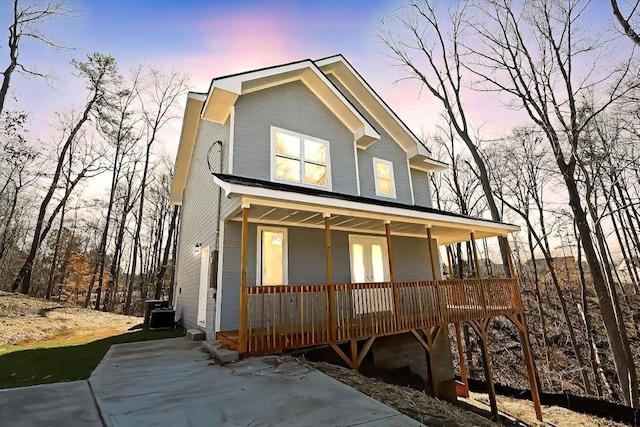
(196, 248)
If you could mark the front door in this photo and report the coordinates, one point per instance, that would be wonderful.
(369, 264)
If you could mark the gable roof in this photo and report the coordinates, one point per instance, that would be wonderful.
(419, 155)
(216, 105)
(224, 91)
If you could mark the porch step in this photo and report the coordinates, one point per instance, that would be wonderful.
(221, 351)
(195, 335)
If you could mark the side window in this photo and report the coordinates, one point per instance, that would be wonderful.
(298, 158)
(272, 256)
(384, 180)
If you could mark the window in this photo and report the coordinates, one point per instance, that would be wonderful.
(272, 256)
(385, 183)
(299, 158)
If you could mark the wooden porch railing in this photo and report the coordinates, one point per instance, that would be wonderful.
(295, 316)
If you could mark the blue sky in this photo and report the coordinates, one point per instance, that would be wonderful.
(199, 39)
(204, 39)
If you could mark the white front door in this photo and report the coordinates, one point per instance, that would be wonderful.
(370, 263)
(204, 286)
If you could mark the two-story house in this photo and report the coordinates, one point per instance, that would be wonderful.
(307, 220)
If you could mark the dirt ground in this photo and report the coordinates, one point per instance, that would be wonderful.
(522, 410)
(413, 403)
(434, 412)
(28, 321)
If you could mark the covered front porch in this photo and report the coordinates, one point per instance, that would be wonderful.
(273, 318)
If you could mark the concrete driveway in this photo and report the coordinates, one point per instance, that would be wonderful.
(173, 383)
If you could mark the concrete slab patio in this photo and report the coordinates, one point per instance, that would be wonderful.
(172, 382)
(62, 404)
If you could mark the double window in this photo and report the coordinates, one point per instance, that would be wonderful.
(299, 159)
(385, 182)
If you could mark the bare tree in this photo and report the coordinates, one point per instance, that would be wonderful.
(625, 22)
(524, 186)
(159, 102)
(98, 70)
(431, 55)
(530, 52)
(118, 125)
(25, 24)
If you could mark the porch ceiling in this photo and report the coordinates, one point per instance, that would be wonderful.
(289, 205)
(261, 211)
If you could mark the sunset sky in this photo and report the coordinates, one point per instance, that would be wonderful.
(207, 39)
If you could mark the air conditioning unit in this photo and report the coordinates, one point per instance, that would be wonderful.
(162, 318)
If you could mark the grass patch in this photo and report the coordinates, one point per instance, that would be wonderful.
(32, 366)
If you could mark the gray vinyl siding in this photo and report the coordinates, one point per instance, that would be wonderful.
(199, 222)
(307, 262)
(386, 149)
(421, 188)
(293, 107)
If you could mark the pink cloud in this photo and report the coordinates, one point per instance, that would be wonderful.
(248, 40)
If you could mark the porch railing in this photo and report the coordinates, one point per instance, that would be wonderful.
(295, 316)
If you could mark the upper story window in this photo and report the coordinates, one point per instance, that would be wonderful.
(299, 158)
(385, 183)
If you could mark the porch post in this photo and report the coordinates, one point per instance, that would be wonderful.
(431, 257)
(481, 326)
(462, 360)
(512, 266)
(327, 245)
(450, 258)
(242, 326)
(476, 261)
(441, 310)
(531, 370)
(392, 268)
(392, 273)
(329, 272)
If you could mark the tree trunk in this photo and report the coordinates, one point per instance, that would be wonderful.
(625, 369)
(165, 256)
(54, 260)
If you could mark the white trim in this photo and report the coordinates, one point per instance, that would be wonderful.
(364, 84)
(393, 194)
(413, 200)
(302, 160)
(355, 155)
(365, 209)
(197, 96)
(219, 289)
(285, 253)
(368, 109)
(233, 86)
(339, 59)
(203, 287)
(428, 165)
(232, 127)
